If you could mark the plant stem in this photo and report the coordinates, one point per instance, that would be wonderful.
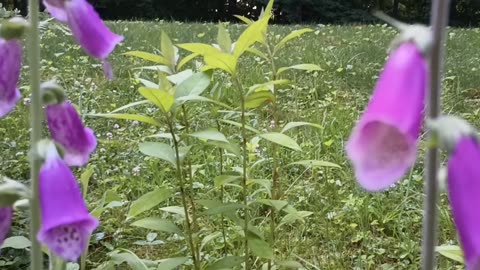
(190, 178)
(36, 133)
(181, 183)
(439, 21)
(222, 197)
(244, 171)
(275, 167)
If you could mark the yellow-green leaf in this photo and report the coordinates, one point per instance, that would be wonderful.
(126, 116)
(244, 19)
(260, 248)
(307, 67)
(254, 33)
(200, 48)
(148, 201)
(223, 61)
(257, 99)
(452, 252)
(168, 50)
(299, 124)
(148, 56)
(281, 139)
(160, 98)
(315, 163)
(186, 59)
(257, 53)
(159, 150)
(294, 34)
(223, 39)
(157, 224)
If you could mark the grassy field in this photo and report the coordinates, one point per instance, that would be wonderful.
(349, 228)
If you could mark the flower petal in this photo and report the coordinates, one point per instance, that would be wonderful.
(56, 9)
(89, 30)
(6, 214)
(382, 145)
(67, 129)
(66, 223)
(464, 194)
(10, 65)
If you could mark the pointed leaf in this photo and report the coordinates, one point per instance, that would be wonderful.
(222, 208)
(315, 163)
(85, 179)
(179, 77)
(223, 39)
(123, 255)
(232, 148)
(160, 98)
(130, 105)
(180, 100)
(125, 116)
(257, 53)
(157, 224)
(178, 210)
(281, 139)
(233, 123)
(228, 262)
(186, 59)
(294, 34)
(172, 263)
(277, 204)
(168, 50)
(307, 67)
(193, 85)
(260, 248)
(257, 99)
(159, 150)
(148, 56)
(244, 19)
(210, 134)
(452, 252)
(223, 61)
(199, 48)
(16, 242)
(207, 239)
(266, 85)
(254, 33)
(159, 68)
(148, 201)
(225, 179)
(298, 124)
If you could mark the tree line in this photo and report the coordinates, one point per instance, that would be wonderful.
(463, 12)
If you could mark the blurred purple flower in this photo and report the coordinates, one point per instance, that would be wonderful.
(382, 146)
(10, 65)
(66, 223)
(464, 193)
(87, 27)
(67, 129)
(6, 214)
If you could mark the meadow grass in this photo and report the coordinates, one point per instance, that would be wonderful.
(350, 229)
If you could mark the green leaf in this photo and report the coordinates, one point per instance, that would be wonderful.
(171, 263)
(124, 255)
(294, 216)
(179, 77)
(265, 86)
(159, 150)
(210, 134)
(244, 19)
(180, 100)
(126, 116)
(277, 204)
(452, 252)
(233, 123)
(307, 67)
(266, 184)
(299, 124)
(85, 179)
(148, 56)
(257, 53)
(130, 105)
(294, 34)
(199, 48)
(186, 59)
(260, 248)
(207, 239)
(225, 179)
(223, 61)
(16, 242)
(222, 208)
(257, 99)
(160, 98)
(178, 210)
(281, 139)
(157, 224)
(228, 262)
(315, 163)
(290, 264)
(254, 33)
(168, 50)
(148, 201)
(232, 148)
(223, 39)
(108, 265)
(193, 85)
(159, 68)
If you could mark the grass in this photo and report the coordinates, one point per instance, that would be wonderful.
(350, 229)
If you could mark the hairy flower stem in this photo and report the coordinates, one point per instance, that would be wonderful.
(222, 197)
(36, 132)
(244, 171)
(275, 166)
(181, 183)
(190, 182)
(439, 21)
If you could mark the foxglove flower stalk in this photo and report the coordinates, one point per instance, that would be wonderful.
(464, 193)
(5, 222)
(87, 27)
(383, 144)
(67, 129)
(66, 223)
(10, 65)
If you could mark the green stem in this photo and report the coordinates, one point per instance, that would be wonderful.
(190, 182)
(222, 198)
(180, 180)
(36, 133)
(244, 172)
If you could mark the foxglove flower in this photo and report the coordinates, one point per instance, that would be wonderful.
(67, 129)
(87, 27)
(464, 193)
(66, 223)
(5, 222)
(383, 144)
(10, 65)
